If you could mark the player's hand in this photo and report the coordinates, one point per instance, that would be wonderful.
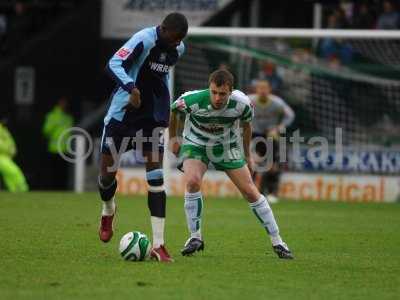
(274, 133)
(175, 147)
(134, 99)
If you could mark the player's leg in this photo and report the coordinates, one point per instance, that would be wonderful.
(272, 176)
(156, 200)
(258, 180)
(271, 182)
(194, 170)
(107, 185)
(259, 153)
(111, 143)
(107, 182)
(241, 177)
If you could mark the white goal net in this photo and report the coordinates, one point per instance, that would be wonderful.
(333, 78)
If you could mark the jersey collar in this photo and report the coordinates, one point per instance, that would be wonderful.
(268, 103)
(210, 107)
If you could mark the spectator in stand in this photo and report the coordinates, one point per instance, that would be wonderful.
(329, 46)
(20, 26)
(268, 72)
(11, 174)
(336, 48)
(341, 21)
(363, 18)
(56, 127)
(296, 79)
(390, 18)
(224, 66)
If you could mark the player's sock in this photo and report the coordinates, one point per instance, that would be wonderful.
(157, 224)
(107, 190)
(193, 210)
(264, 214)
(108, 208)
(157, 202)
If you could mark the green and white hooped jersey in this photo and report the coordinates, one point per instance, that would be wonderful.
(206, 126)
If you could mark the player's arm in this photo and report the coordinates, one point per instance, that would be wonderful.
(174, 124)
(247, 133)
(245, 121)
(131, 53)
(49, 124)
(117, 65)
(288, 116)
(7, 143)
(178, 108)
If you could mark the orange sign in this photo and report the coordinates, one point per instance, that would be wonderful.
(294, 186)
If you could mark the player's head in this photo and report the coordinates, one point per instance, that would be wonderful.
(20, 7)
(173, 29)
(220, 85)
(388, 6)
(263, 88)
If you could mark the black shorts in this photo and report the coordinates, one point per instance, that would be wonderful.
(262, 148)
(119, 137)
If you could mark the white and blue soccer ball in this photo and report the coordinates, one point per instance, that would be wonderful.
(134, 246)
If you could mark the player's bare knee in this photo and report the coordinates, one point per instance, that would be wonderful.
(193, 183)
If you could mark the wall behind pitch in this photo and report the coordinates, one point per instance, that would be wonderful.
(65, 57)
(294, 186)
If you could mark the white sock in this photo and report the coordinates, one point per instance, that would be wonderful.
(264, 214)
(193, 211)
(157, 225)
(108, 207)
(276, 240)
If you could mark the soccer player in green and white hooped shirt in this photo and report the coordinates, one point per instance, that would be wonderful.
(210, 135)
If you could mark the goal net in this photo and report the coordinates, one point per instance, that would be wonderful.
(333, 78)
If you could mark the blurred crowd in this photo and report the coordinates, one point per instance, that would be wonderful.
(356, 15)
(364, 15)
(20, 19)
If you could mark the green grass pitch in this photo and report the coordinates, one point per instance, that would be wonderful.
(50, 250)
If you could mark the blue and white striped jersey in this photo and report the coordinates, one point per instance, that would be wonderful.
(142, 62)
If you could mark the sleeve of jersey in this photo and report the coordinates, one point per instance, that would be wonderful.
(248, 113)
(288, 115)
(180, 106)
(125, 58)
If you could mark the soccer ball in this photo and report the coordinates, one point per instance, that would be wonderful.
(134, 246)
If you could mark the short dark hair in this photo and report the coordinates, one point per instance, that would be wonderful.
(221, 77)
(176, 22)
